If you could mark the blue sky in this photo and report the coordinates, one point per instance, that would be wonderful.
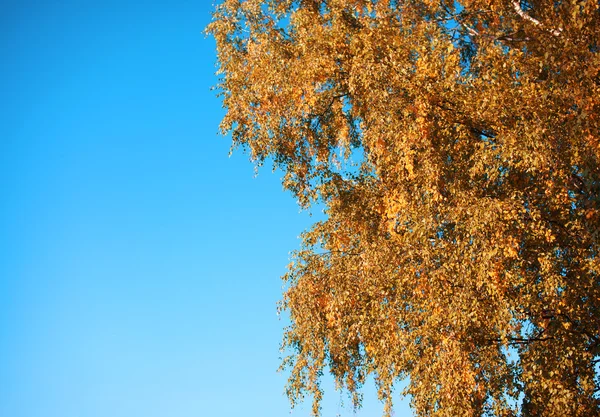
(139, 264)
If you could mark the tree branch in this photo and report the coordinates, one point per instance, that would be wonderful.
(517, 7)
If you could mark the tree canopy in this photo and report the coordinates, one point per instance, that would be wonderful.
(455, 146)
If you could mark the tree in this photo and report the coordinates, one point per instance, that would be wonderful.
(455, 146)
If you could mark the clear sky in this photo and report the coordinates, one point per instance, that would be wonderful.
(139, 264)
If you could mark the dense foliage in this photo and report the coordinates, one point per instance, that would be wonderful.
(456, 148)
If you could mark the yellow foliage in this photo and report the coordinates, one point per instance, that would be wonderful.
(456, 149)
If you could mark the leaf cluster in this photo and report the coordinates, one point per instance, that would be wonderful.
(456, 148)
